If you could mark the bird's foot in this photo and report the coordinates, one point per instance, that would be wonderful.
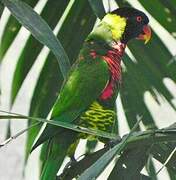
(70, 163)
(66, 168)
(110, 144)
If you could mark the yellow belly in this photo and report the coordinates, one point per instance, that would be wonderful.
(98, 117)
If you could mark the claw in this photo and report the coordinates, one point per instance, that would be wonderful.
(110, 144)
(70, 163)
(66, 168)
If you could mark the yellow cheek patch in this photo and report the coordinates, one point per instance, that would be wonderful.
(116, 24)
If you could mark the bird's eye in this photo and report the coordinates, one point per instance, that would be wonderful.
(138, 18)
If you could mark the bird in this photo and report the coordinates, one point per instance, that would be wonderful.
(88, 94)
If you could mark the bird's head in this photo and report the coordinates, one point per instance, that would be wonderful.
(127, 23)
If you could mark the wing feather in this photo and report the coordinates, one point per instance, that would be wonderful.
(86, 81)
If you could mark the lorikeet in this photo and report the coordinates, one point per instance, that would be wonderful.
(88, 95)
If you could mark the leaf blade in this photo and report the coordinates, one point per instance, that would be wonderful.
(95, 169)
(39, 29)
(33, 47)
(11, 30)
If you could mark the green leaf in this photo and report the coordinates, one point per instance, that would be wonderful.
(144, 177)
(134, 156)
(98, 8)
(172, 174)
(11, 30)
(149, 64)
(165, 152)
(31, 50)
(162, 151)
(12, 117)
(33, 47)
(151, 168)
(166, 14)
(130, 163)
(134, 108)
(133, 140)
(149, 71)
(126, 176)
(145, 75)
(1, 11)
(39, 29)
(61, 124)
(95, 170)
(78, 168)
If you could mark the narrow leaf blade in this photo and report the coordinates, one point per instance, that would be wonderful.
(39, 29)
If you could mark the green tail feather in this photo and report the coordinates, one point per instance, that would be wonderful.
(50, 131)
(58, 150)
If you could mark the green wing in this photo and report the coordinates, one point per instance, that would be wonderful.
(86, 81)
(84, 85)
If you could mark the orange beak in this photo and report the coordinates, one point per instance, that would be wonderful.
(146, 35)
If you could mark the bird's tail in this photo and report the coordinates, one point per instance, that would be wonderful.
(49, 132)
(55, 153)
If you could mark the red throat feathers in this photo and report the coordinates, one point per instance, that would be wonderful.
(113, 59)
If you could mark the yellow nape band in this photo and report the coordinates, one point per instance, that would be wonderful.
(116, 24)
